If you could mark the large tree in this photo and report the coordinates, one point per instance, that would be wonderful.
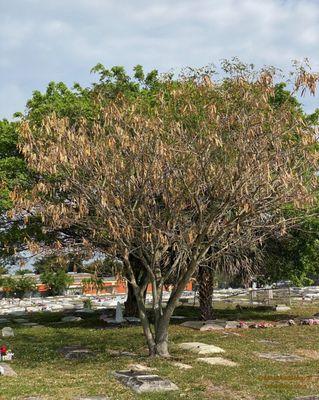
(176, 178)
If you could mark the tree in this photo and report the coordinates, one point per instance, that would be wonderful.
(206, 168)
(277, 251)
(18, 286)
(56, 282)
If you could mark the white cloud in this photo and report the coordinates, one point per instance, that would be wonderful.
(61, 40)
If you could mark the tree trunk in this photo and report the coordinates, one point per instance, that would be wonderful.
(161, 337)
(131, 307)
(205, 280)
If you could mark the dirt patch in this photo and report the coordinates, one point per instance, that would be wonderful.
(312, 354)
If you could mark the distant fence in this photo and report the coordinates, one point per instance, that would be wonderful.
(268, 296)
(263, 296)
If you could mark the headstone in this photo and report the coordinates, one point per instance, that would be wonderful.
(201, 348)
(143, 382)
(7, 332)
(6, 370)
(119, 314)
(281, 357)
(218, 361)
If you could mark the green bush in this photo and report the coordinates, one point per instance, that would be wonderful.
(56, 282)
(18, 286)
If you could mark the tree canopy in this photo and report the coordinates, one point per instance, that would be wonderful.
(204, 166)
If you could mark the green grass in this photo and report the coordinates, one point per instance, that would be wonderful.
(42, 371)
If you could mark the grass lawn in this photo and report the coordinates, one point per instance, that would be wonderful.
(42, 371)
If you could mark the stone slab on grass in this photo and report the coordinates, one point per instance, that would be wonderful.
(201, 348)
(144, 382)
(140, 367)
(71, 318)
(281, 357)
(282, 307)
(180, 365)
(218, 361)
(120, 353)
(79, 354)
(192, 324)
(6, 370)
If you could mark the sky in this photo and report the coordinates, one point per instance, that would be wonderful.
(61, 40)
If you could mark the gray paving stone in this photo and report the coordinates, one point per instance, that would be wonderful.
(281, 357)
(201, 348)
(143, 382)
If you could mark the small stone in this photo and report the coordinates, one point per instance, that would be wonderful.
(218, 361)
(201, 348)
(30, 324)
(4, 320)
(6, 370)
(7, 332)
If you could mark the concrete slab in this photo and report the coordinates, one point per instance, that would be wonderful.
(144, 382)
(218, 361)
(201, 348)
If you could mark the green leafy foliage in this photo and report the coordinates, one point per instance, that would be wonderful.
(18, 286)
(56, 282)
(13, 169)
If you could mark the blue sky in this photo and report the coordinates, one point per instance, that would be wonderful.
(44, 40)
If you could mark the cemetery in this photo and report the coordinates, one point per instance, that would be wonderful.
(72, 354)
(159, 202)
